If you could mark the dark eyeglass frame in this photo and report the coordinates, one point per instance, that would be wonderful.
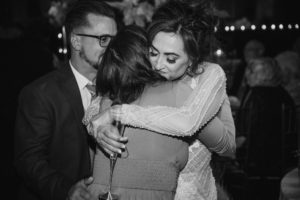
(99, 37)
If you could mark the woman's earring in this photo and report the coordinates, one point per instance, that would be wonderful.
(189, 69)
(200, 70)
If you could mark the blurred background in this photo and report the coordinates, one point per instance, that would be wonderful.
(33, 43)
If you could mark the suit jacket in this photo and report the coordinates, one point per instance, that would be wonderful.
(51, 143)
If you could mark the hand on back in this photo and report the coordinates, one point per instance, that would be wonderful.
(106, 134)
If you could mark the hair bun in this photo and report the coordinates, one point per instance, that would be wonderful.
(199, 14)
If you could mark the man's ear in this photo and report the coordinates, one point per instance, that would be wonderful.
(75, 42)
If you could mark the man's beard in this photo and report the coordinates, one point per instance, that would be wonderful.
(82, 54)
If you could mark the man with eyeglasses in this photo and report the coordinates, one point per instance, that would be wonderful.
(52, 148)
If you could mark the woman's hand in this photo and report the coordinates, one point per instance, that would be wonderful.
(107, 135)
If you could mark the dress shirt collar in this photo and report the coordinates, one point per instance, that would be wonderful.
(82, 81)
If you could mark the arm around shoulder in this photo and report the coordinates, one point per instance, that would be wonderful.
(199, 107)
(219, 133)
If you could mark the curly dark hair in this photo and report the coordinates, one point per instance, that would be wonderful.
(193, 20)
(125, 68)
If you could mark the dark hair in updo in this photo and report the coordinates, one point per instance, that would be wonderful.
(125, 68)
(193, 20)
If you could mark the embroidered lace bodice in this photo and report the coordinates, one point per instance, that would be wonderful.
(208, 95)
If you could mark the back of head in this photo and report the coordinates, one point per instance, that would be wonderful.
(77, 13)
(296, 45)
(289, 63)
(264, 71)
(125, 68)
(253, 49)
(193, 20)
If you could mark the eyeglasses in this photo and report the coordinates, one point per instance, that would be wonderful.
(104, 40)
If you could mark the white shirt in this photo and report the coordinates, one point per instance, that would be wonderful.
(82, 81)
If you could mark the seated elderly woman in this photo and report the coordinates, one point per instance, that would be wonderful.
(268, 150)
(260, 119)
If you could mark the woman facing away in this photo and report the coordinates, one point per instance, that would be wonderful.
(178, 37)
(149, 169)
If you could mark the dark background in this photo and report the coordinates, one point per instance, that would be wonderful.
(28, 43)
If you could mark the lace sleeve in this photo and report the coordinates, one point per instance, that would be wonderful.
(224, 143)
(203, 103)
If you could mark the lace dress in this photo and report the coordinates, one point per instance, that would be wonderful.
(198, 100)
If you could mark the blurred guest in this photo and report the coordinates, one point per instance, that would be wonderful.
(253, 49)
(289, 62)
(296, 45)
(267, 150)
(260, 116)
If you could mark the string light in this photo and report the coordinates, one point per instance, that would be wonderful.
(273, 26)
(215, 29)
(280, 26)
(219, 52)
(227, 28)
(263, 27)
(63, 36)
(253, 27)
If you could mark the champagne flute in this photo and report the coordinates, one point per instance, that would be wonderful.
(112, 161)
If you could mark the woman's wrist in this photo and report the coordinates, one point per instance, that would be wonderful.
(117, 112)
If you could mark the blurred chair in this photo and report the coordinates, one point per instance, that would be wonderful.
(265, 159)
(289, 146)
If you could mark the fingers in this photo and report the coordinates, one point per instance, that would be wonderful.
(109, 148)
(80, 190)
(112, 137)
(109, 139)
(85, 194)
(109, 152)
(88, 181)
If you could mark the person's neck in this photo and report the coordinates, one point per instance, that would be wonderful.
(84, 68)
(184, 77)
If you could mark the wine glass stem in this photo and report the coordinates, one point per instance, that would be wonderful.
(114, 156)
(113, 160)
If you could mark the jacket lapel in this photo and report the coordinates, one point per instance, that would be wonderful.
(72, 93)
